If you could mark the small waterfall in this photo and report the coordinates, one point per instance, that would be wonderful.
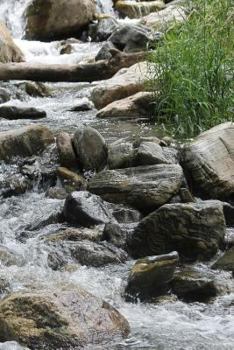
(105, 6)
(12, 13)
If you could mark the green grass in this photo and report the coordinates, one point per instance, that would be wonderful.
(194, 71)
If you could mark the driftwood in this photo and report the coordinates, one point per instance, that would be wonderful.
(86, 72)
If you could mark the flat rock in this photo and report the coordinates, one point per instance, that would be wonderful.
(63, 319)
(145, 187)
(195, 230)
(210, 161)
(20, 112)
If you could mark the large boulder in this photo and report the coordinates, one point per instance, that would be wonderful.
(145, 187)
(90, 148)
(86, 209)
(209, 161)
(131, 37)
(62, 319)
(150, 277)
(126, 82)
(137, 9)
(53, 19)
(9, 51)
(25, 141)
(136, 106)
(195, 230)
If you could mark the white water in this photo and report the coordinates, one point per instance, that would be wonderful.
(167, 326)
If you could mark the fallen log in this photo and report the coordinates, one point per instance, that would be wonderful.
(86, 72)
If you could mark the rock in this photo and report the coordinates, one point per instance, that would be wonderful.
(145, 188)
(86, 209)
(126, 215)
(105, 52)
(4, 287)
(136, 9)
(71, 179)
(209, 161)
(61, 319)
(228, 210)
(161, 21)
(116, 234)
(82, 105)
(195, 230)
(225, 262)
(93, 234)
(12, 112)
(90, 148)
(66, 152)
(97, 255)
(24, 142)
(126, 82)
(37, 89)
(120, 154)
(131, 37)
(105, 27)
(44, 21)
(9, 51)
(150, 153)
(4, 96)
(136, 106)
(13, 184)
(191, 285)
(56, 193)
(150, 277)
(9, 257)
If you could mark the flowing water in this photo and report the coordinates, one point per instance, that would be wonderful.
(171, 325)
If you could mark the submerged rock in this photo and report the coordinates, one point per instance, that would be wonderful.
(195, 230)
(25, 141)
(44, 21)
(85, 209)
(90, 148)
(150, 277)
(209, 161)
(12, 112)
(191, 285)
(65, 319)
(145, 187)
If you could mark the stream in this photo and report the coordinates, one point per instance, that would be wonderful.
(170, 325)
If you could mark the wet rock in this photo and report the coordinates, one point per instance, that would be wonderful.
(4, 95)
(120, 154)
(195, 230)
(44, 21)
(136, 9)
(209, 161)
(136, 106)
(131, 37)
(105, 52)
(66, 152)
(85, 209)
(25, 141)
(65, 319)
(225, 262)
(191, 285)
(82, 105)
(105, 27)
(36, 89)
(150, 277)
(126, 82)
(228, 210)
(90, 148)
(97, 254)
(9, 51)
(126, 215)
(145, 187)
(75, 234)
(117, 234)
(56, 193)
(20, 112)
(161, 21)
(71, 179)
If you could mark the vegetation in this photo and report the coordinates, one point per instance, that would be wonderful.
(194, 70)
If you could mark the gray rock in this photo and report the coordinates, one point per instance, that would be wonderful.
(195, 230)
(150, 153)
(191, 285)
(24, 142)
(145, 188)
(120, 154)
(225, 262)
(150, 277)
(20, 112)
(209, 161)
(105, 52)
(131, 37)
(82, 105)
(4, 95)
(117, 234)
(126, 215)
(90, 148)
(85, 209)
(66, 152)
(105, 27)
